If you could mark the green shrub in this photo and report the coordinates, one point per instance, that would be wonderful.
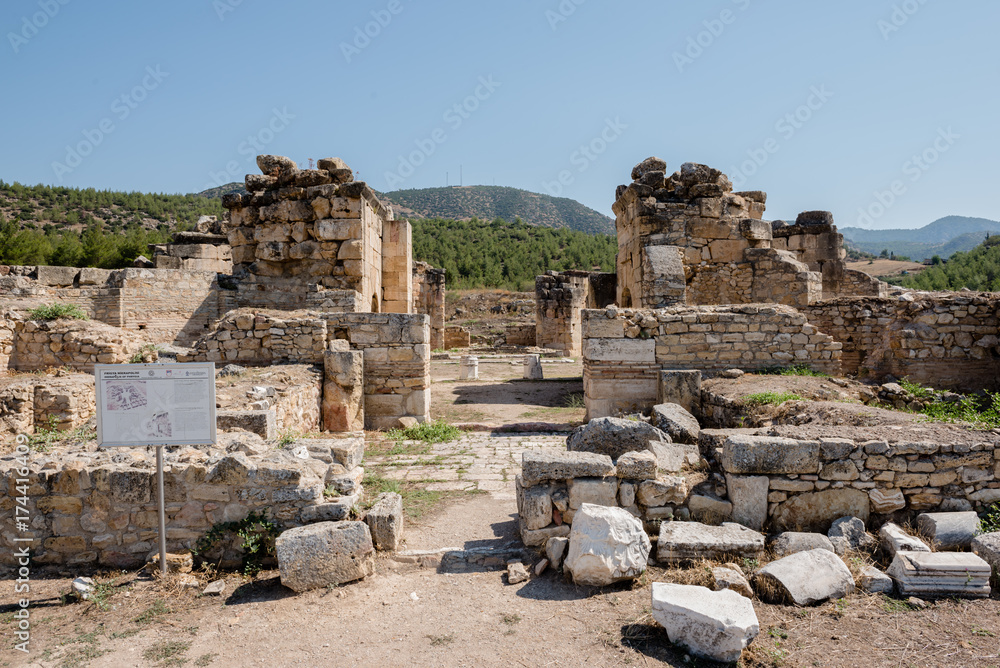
(56, 311)
(428, 432)
(794, 370)
(766, 398)
(989, 521)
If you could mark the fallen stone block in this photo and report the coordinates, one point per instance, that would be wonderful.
(516, 573)
(679, 387)
(805, 578)
(555, 550)
(538, 466)
(709, 509)
(606, 545)
(948, 531)
(848, 533)
(385, 521)
(614, 437)
(791, 542)
(262, 423)
(672, 457)
(731, 576)
(637, 466)
(714, 625)
(681, 541)
(534, 506)
(596, 491)
(987, 547)
(961, 574)
(874, 581)
(539, 537)
(677, 423)
(885, 501)
(894, 539)
(317, 555)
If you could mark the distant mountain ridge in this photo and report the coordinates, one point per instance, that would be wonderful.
(485, 203)
(943, 237)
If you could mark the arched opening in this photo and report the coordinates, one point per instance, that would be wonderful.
(375, 304)
(626, 299)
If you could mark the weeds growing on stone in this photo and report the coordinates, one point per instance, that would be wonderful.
(793, 370)
(769, 398)
(56, 311)
(428, 432)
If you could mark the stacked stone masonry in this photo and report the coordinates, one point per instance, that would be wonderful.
(559, 300)
(949, 341)
(70, 344)
(625, 349)
(100, 508)
(395, 349)
(429, 298)
(30, 403)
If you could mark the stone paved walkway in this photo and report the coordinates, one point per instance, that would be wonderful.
(476, 461)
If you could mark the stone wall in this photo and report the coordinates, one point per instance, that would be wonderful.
(553, 485)
(520, 335)
(167, 305)
(429, 298)
(100, 508)
(806, 485)
(559, 300)
(31, 402)
(688, 238)
(395, 346)
(947, 341)
(299, 232)
(73, 344)
(625, 349)
(456, 337)
(397, 267)
(6, 339)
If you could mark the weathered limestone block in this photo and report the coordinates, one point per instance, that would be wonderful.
(816, 511)
(960, 574)
(614, 437)
(731, 577)
(534, 506)
(874, 581)
(769, 455)
(949, 530)
(637, 466)
(606, 545)
(655, 493)
(748, 495)
(680, 387)
(676, 422)
(594, 491)
(987, 547)
(317, 555)
(713, 625)
(343, 391)
(680, 541)
(884, 501)
(805, 578)
(539, 466)
(791, 542)
(848, 533)
(894, 539)
(555, 551)
(263, 422)
(385, 521)
(709, 509)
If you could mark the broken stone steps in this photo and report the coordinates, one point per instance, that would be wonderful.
(941, 574)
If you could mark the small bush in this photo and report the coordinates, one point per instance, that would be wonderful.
(768, 398)
(56, 311)
(989, 522)
(794, 370)
(428, 432)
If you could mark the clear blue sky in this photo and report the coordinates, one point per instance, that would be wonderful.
(625, 79)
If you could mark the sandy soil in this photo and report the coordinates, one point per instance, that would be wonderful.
(882, 267)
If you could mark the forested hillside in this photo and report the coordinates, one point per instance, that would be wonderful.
(507, 255)
(87, 227)
(489, 202)
(943, 237)
(978, 269)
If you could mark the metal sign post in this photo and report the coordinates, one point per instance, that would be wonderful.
(165, 404)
